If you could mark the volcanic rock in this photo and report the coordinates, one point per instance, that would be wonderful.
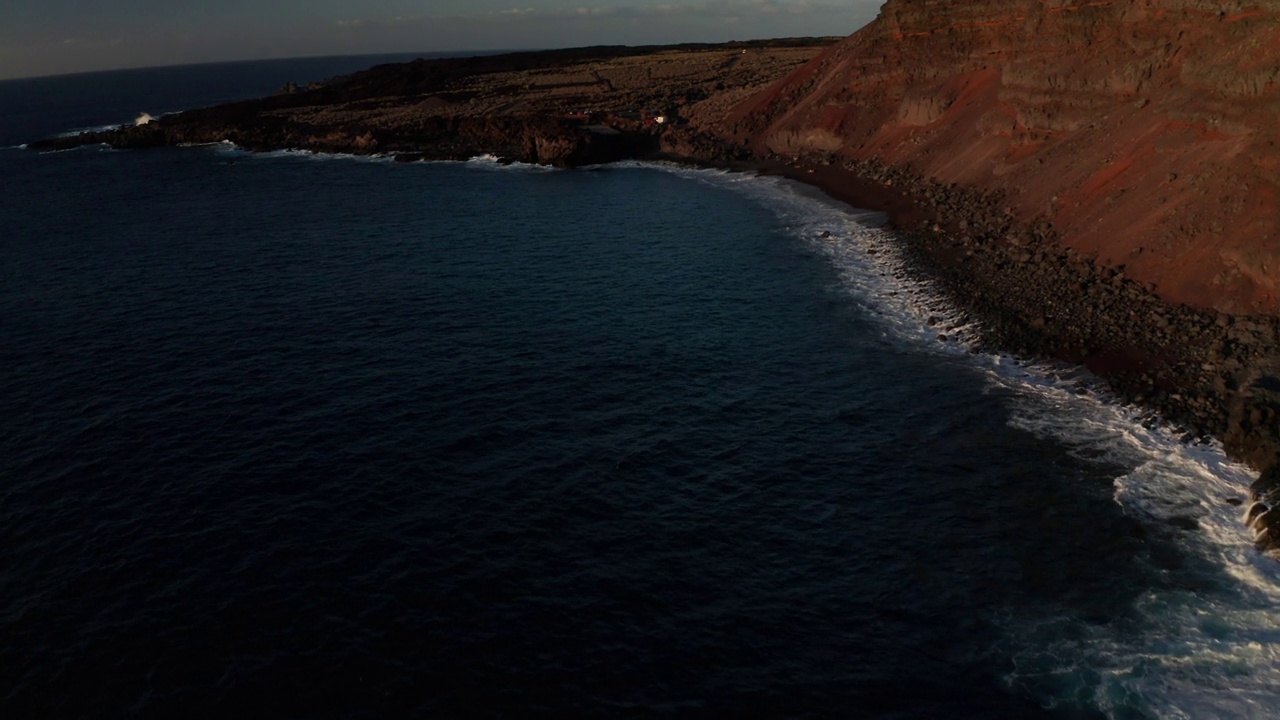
(1144, 131)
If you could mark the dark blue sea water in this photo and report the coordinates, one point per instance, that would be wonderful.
(299, 436)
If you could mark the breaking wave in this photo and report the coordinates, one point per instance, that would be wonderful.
(494, 163)
(90, 129)
(228, 148)
(143, 118)
(1209, 646)
(93, 147)
(487, 162)
(1206, 648)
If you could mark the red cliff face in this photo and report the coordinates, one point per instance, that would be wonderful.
(1145, 131)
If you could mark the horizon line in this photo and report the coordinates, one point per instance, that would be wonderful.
(420, 53)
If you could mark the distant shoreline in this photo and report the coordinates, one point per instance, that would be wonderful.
(377, 58)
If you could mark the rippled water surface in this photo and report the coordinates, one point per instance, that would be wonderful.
(289, 436)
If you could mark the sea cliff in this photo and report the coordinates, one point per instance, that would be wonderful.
(1097, 180)
(1144, 131)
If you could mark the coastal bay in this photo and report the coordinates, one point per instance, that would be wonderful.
(1209, 372)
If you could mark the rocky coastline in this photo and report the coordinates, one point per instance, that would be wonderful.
(565, 108)
(1209, 373)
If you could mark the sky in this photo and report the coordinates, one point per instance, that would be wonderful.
(48, 37)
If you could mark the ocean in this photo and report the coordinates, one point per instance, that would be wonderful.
(291, 435)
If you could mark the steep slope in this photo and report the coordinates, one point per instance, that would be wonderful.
(1144, 131)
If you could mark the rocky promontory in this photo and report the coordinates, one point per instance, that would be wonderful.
(1093, 181)
(561, 107)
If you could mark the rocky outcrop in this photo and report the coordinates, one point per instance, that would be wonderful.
(542, 140)
(1143, 131)
(1263, 514)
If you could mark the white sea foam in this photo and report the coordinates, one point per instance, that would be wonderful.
(325, 156)
(95, 128)
(141, 119)
(480, 162)
(495, 163)
(98, 147)
(1211, 651)
(229, 148)
(872, 269)
(1208, 652)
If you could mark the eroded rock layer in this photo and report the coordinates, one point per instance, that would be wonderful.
(1143, 131)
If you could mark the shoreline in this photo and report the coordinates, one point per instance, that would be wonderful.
(1207, 373)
